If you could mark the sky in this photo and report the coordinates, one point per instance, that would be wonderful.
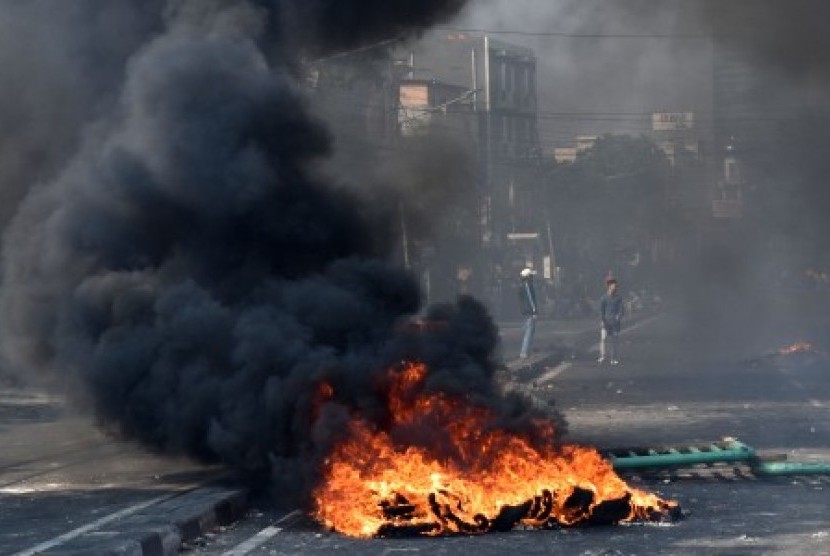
(786, 42)
(608, 81)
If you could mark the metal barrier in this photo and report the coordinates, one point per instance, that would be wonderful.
(728, 450)
(715, 452)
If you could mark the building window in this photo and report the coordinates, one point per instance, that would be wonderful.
(502, 80)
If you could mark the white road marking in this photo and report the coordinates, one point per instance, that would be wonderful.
(95, 524)
(640, 324)
(565, 365)
(554, 372)
(260, 538)
(813, 402)
(800, 386)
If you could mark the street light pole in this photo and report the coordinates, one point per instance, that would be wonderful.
(404, 235)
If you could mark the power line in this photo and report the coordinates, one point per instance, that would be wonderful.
(357, 50)
(401, 39)
(557, 34)
(633, 118)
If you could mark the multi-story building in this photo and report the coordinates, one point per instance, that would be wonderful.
(476, 91)
(751, 107)
(495, 82)
(741, 117)
(676, 135)
(427, 104)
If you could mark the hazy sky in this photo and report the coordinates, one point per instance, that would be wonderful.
(609, 78)
(784, 41)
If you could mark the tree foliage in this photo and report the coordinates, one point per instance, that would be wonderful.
(610, 202)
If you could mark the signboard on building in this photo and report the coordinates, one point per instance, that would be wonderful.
(565, 155)
(585, 142)
(672, 121)
(522, 236)
(413, 113)
(414, 95)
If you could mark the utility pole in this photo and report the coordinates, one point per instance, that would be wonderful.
(404, 235)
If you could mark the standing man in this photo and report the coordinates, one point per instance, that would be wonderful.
(611, 312)
(527, 302)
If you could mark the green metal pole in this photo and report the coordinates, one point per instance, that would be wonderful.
(673, 457)
(770, 468)
(721, 452)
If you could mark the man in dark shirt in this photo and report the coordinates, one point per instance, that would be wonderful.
(527, 302)
(611, 312)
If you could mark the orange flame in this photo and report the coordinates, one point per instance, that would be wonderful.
(481, 477)
(798, 347)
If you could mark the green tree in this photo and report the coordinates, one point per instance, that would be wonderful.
(610, 204)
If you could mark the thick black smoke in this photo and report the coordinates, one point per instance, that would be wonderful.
(60, 67)
(789, 36)
(323, 25)
(194, 275)
(774, 106)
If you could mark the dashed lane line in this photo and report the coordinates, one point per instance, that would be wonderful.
(626, 330)
(68, 536)
(565, 365)
(262, 537)
(554, 372)
(800, 386)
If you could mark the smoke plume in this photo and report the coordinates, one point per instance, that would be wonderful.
(788, 36)
(195, 275)
(57, 76)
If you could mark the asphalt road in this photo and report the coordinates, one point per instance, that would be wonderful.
(61, 477)
(58, 474)
(664, 393)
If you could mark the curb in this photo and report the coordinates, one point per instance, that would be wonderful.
(520, 366)
(161, 529)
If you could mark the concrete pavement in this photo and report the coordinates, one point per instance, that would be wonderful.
(663, 393)
(71, 490)
(666, 392)
(68, 489)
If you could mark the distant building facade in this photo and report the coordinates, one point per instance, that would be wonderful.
(477, 91)
(493, 83)
(739, 111)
